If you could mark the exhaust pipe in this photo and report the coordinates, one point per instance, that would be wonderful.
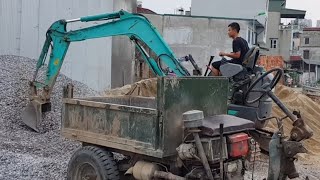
(147, 171)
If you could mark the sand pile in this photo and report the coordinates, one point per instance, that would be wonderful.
(310, 112)
(145, 88)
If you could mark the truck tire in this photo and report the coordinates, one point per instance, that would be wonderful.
(92, 163)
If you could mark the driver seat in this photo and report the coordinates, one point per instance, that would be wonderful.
(250, 59)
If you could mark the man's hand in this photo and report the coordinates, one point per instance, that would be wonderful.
(222, 54)
(231, 55)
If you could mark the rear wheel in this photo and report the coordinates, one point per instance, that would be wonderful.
(92, 163)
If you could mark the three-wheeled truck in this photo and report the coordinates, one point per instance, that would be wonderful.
(182, 133)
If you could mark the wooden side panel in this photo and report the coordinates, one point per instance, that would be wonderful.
(117, 126)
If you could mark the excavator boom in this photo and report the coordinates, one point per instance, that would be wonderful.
(58, 39)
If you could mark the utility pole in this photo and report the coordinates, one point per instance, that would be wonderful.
(309, 71)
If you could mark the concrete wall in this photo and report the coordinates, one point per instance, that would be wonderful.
(314, 38)
(25, 22)
(200, 37)
(273, 32)
(285, 44)
(314, 52)
(313, 47)
(122, 51)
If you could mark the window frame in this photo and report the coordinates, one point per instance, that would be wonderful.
(305, 52)
(306, 39)
(274, 43)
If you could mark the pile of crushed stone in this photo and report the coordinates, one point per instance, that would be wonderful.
(310, 112)
(25, 154)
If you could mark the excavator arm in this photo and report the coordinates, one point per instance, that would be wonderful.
(58, 39)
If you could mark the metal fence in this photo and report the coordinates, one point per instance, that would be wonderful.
(309, 90)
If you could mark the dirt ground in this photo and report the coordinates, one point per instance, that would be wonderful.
(310, 170)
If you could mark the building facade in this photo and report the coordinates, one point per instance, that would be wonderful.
(280, 37)
(98, 63)
(318, 23)
(302, 22)
(310, 49)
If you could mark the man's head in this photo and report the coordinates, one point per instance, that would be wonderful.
(233, 30)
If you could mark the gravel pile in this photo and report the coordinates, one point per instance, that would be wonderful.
(25, 154)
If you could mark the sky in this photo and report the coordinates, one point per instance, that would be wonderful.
(168, 6)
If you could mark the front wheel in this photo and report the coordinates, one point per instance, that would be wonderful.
(92, 163)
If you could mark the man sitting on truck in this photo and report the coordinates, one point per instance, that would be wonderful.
(239, 45)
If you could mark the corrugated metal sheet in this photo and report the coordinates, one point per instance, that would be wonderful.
(10, 26)
(25, 22)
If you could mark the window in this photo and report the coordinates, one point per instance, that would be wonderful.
(306, 40)
(293, 47)
(253, 38)
(296, 35)
(306, 54)
(273, 43)
(249, 36)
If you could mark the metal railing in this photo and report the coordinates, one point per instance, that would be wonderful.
(291, 27)
(309, 90)
(295, 52)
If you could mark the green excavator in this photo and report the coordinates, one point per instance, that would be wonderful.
(251, 93)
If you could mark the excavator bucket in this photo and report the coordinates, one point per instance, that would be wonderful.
(32, 114)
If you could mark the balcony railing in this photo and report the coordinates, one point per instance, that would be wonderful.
(290, 27)
(295, 53)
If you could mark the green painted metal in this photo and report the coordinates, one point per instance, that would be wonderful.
(232, 112)
(135, 125)
(136, 27)
(178, 95)
(261, 14)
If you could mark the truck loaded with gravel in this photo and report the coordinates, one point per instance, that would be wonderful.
(196, 127)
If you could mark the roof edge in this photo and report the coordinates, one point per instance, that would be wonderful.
(214, 17)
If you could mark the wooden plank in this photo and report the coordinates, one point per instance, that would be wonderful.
(112, 142)
(133, 109)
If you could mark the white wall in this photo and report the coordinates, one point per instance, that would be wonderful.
(10, 22)
(25, 22)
